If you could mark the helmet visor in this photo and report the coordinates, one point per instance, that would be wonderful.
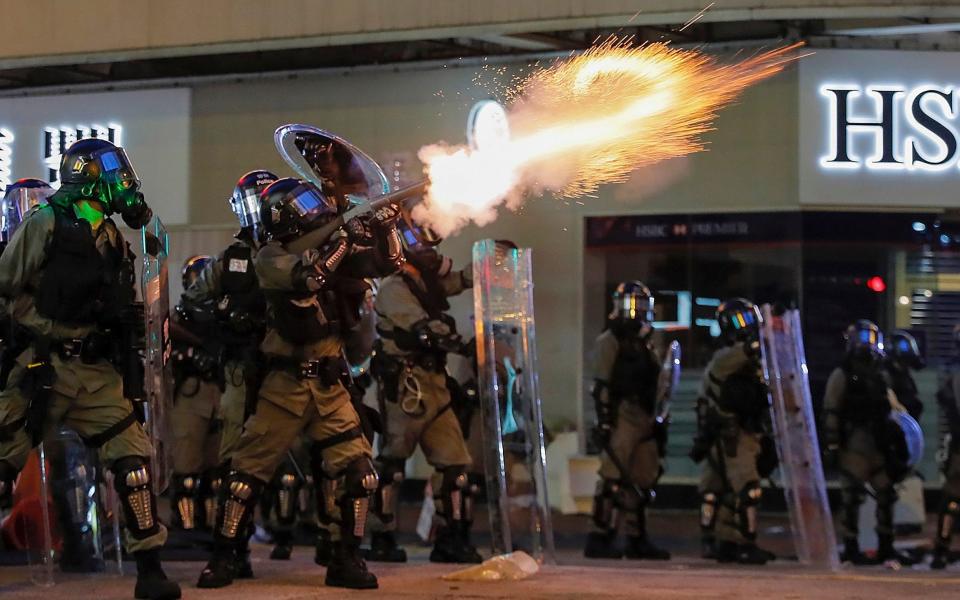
(16, 204)
(310, 204)
(246, 205)
(116, 169)
(744, 319)
(634, 307)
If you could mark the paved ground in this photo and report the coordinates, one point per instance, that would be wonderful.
(684, 577)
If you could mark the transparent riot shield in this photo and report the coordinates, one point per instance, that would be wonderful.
(514, 448)
(785, 367)
(667, 381)
(64, 515)
(158, 374)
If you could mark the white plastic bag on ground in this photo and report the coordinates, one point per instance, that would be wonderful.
(505, 567)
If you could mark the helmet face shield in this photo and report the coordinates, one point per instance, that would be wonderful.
(116, 170)
(344, 172)
(864, 338)
(309, 204)
(633, 302)
(245, 203)
(18, 200)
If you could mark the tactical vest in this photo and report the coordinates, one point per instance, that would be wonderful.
(905, 389)
(744, 394)
(635, 374)
(78, 284)
(865, 401)
(240, 291)
(305, 318)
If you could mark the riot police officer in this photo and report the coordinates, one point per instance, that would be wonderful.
(625, 374)
(948, 399)
(902, 355)
(313, 298)
(734, 442)
(18, 199)
(416, 334)
(862, 440)
(68, 274)
(194, 418)
(227, 297)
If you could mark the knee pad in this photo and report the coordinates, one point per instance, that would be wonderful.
(751, 494)
(852, 492)
(886, 496)
(186, 488)
(605, 503)
(391, 473)
(132, 481)
(242, 492)
(360, 479)
(453, 483)
(708, 510)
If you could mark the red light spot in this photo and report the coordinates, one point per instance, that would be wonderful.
(877, 284)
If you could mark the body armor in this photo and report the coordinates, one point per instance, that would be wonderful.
(241, 304)
(72, 286)
(865, 402)
(744, 394)
(635, 374)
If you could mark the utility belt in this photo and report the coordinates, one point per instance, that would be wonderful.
(327, 370)
(390, 365)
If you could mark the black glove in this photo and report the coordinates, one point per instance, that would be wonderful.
(359, 231)
(385, 217)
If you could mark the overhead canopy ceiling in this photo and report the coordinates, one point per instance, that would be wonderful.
(63, 42)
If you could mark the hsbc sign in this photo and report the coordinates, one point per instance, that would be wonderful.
(877, 129)
(890, 127)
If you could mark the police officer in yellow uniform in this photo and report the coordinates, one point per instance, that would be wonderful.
(948, 398)
(68, 276)
(226, 297)
(734, 443)
(194, 418)
(862, 440)
(416, 334)
(625, 376)
(313, 298)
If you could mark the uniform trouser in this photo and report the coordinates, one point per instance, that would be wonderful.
(730, 473)
(950, 501)
(327, 417)
(195, 427)
(633, 443)
(430, 423)
(233, 405)
(89, 412)
(861, 463)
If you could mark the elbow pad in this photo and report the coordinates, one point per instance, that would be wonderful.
(317, 267)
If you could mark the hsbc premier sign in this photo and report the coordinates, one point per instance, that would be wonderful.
(890, 127)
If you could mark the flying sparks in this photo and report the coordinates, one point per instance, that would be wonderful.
(588, 120)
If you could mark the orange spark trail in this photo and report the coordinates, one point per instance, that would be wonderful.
(588, 120)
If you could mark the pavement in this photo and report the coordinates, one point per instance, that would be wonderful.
(687, 576)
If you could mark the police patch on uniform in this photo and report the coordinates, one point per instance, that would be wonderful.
(237, 265)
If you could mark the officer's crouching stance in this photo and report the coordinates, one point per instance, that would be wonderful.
(312, 301)
(68, 275)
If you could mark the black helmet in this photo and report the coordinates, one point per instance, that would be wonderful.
(245, 200)
(902, 347)
(290, 207)
(97, 169)
(192, 268)
(739, 320)
(632, 303)
(20, 197)
(863, 338)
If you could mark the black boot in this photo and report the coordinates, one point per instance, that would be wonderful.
(639, 548)
(324, 548)
(750, 554)
(886, 551)
(283, 545)
(242, 569)
(708, 547)
(152, 582)
(726, 552)
(384, 548)
(941, 558)
(852, 554)
(602, 545)
(347, 569)
(449, 547)
(221, 569)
